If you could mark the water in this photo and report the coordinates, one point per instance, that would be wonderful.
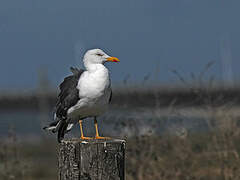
(118, 122)
(21, 121)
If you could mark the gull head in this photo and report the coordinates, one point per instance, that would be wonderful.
(98, 56)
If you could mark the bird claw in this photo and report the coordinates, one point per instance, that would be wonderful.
(100, 137)
(85, 138)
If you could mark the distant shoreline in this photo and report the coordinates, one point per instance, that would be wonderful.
(130, 97)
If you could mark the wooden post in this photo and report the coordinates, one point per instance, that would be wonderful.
(92, 160)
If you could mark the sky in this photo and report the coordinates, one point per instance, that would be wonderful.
(148, 36)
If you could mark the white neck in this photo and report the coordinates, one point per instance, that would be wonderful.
(94, 67)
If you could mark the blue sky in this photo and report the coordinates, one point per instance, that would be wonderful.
(145, 35)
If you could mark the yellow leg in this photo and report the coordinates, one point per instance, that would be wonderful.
(96, 128)
(81, 130)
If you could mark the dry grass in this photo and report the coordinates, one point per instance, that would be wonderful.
(206, 156)
(199, 156)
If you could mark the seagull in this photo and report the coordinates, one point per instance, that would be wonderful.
(85, 93)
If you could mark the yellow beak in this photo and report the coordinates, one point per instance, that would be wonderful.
(113, 59)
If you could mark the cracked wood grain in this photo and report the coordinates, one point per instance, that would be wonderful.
(92, 160)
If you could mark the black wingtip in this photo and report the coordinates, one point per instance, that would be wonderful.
(60, 140)
(61, 131)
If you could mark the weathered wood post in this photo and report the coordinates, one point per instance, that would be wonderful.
(92, 160)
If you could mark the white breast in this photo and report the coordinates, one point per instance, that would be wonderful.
(94, 92)
(94, 84)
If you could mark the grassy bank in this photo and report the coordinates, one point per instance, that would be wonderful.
(213, 155)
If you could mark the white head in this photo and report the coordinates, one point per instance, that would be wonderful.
(97, 56)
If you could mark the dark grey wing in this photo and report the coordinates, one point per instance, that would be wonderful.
(69, 94)
(68, 97)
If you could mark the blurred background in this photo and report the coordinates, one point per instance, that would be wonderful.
(175, 92)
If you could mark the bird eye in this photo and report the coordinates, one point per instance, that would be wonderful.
(99, 54)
